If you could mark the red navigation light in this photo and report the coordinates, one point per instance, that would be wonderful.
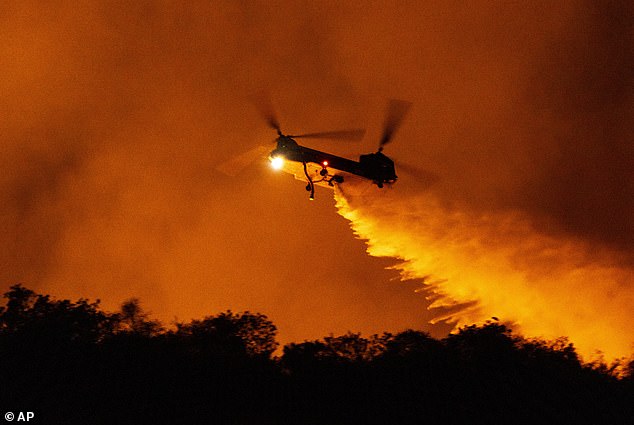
(325, 163)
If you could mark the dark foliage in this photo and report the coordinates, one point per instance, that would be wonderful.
(72, 363)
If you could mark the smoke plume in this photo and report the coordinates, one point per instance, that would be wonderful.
(115, 116)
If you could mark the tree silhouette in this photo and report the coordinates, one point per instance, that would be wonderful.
(73, 363)
(132, 319)
(41, 319)
(231, 334)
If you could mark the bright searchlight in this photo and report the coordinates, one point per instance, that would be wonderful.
(277, 162)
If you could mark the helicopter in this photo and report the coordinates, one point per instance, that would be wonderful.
(326, 169)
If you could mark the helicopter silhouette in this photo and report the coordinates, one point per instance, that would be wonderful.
(322, 168)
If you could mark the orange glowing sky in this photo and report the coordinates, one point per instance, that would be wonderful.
(115, 119)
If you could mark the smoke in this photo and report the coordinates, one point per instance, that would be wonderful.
(526, 116)
(485, 265)
(114, 119)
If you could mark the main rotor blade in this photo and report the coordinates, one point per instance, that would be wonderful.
(262, 102)
(424, 177)
(238, 163)
(396, 111)
(353, 134)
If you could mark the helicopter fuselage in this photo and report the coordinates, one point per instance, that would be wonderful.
(330, 168)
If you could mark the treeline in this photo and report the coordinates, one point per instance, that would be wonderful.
(73, 363)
